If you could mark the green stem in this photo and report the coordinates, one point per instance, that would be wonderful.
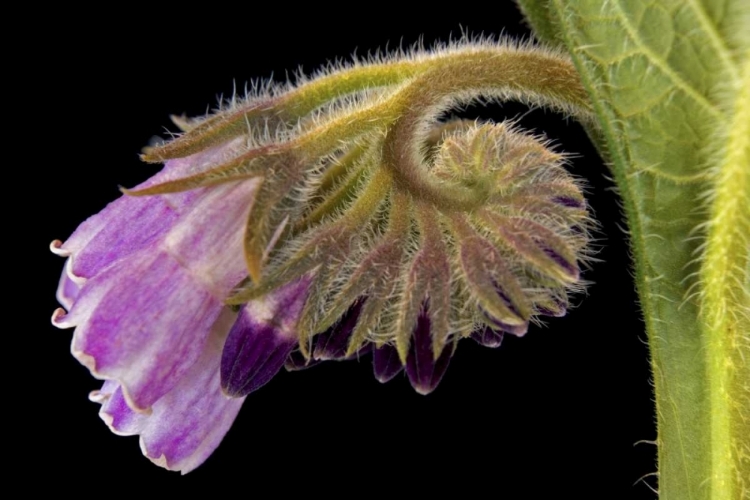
(677, 358)
(695, 309)
(726, 305)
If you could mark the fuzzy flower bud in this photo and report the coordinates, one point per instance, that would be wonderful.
(360, 223)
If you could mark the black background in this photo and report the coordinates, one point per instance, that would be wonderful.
(555, 413)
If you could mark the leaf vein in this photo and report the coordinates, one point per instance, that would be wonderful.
(660, 63)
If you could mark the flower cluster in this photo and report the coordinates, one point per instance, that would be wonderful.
(362, 224)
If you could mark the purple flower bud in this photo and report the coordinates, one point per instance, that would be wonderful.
(515, 329)
(570, 202)
(554, 306)
(424, 371)
(518, 330)
(570, 268)
(296, 361)
(488, 337)
(261, 339)
(333, 343)
(386, 363)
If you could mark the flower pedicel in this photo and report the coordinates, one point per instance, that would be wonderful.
(326, 221)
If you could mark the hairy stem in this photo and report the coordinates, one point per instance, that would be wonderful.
(726, 305)
(302, 100)
(691, 263)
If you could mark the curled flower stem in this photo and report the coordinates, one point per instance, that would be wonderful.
(529, 75)
(432, 92)
(302, 100)
(288, 107)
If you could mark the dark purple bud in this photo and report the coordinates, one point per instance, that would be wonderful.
(385, 363)
(363, 351)
(554, 307)
(261, 339)
(253, 354)
(488, 337)
(500, 325)
(504, 325)
(296, 361)
(333, 343)
(569, 201)
(570, 268)
(423, 370)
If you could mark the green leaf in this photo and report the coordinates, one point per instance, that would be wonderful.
(542, 20)
(669, 82)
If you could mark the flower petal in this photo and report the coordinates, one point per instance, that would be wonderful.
(176, 285)
(67, 289)
(423, 370)
(208, 238)
(186, 424)
(125, 226)
(261, 339)
(143, 323)
(112, 234)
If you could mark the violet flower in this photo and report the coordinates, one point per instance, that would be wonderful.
(144, 286)
(309, 225)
